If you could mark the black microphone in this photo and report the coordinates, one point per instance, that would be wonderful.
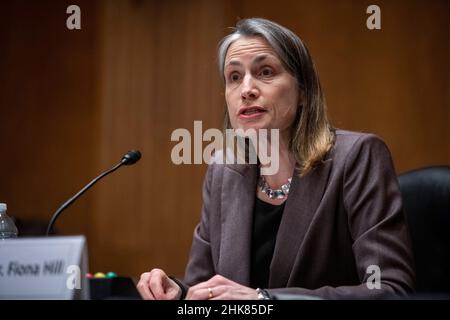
(130, 158)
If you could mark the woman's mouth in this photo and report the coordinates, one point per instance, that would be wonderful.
(251, 112)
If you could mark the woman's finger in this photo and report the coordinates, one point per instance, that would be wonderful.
(143, 287)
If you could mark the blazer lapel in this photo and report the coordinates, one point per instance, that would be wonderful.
(237, 216)
(304, 197)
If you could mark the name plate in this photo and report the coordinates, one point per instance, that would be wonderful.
(44, 268)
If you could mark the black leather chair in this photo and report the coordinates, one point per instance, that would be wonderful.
(426, 202)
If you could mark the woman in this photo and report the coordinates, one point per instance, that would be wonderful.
(329, 223)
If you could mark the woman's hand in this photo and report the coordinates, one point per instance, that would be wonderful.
(156, 285)
(221, 288)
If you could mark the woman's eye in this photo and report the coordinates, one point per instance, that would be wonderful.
(234, 77)
(266, 72)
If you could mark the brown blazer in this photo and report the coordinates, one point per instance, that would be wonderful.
(340, 218)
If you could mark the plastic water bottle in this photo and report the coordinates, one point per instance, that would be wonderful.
(8, 229)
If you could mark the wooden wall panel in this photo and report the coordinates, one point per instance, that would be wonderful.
(159, 74)
(48, 130)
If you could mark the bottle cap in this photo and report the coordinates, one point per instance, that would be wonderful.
(3, 207)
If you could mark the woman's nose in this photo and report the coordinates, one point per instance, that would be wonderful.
(249, 90)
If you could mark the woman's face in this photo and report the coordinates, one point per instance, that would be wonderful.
(259, 91)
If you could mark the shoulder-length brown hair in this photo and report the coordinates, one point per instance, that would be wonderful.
(312, 135)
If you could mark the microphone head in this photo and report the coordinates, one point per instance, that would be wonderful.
(131, 157)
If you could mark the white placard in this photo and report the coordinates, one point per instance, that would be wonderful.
(43, 268)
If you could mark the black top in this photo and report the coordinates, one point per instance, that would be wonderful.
(266, 221)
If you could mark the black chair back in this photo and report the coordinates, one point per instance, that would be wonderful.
(426, 202)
